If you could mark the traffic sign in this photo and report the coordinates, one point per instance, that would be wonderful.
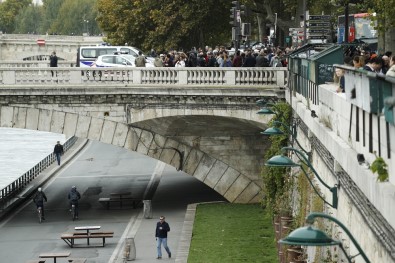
(318, 24)
(317, 37)
(41, 42)
(320, 18)
(319, 31)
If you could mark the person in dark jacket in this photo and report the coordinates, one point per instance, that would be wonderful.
(250, 60)
(73, 197)
(162, 227)
(58, 151)
(53, 62)
(39, 199)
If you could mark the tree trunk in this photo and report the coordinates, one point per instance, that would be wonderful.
(389, 40)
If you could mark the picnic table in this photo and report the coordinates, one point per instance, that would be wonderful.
(55, 255)
(87, 229)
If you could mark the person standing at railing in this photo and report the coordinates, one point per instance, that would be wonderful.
(39, 199)
(391, 70)
(58, 151)
(53, 61)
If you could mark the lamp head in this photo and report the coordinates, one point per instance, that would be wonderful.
(272, 131)
(265, 111)
(308, 236)
(281, 161)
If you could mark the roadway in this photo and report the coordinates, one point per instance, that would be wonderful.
(98, 170)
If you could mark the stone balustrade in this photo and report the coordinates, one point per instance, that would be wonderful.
(270, 77)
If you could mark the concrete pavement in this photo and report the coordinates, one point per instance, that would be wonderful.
(171, 193)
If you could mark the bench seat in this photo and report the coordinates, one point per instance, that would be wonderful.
(107, 200)
(76, 260)
(69, 238)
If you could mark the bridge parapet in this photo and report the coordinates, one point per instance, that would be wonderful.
(269, 77)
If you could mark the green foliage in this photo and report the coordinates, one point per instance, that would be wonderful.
(29, 19)
(164, 25)
(276, 183)
(225, 232)
(53, 17)
(380, 167)
(8, 11)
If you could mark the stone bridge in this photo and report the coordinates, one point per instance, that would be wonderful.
(201, 121)
(20, 47)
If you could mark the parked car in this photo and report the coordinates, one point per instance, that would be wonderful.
(121, 60)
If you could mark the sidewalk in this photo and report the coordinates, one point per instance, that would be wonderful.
(41, 179)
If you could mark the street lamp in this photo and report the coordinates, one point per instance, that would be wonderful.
(266, 103)
(292, 132)
(284, 161)
(275, 29)
(86, 26)
(310, 236)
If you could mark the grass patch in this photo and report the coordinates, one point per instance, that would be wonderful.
(232, 233)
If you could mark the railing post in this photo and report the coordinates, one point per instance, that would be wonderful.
(183, 77)
(137, 75)
(230, 77)
(280, 78)
(75, 77)
(9, 77)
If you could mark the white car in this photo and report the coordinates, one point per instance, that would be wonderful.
(123, 60)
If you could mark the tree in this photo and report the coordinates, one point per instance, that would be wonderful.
(29, 20)
(163, 24)
(76, 17)
(8, 11)
(51, 12)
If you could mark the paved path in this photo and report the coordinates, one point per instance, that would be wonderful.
(97, 170)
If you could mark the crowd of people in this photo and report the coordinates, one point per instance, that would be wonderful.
(220, 57)
(366, 59)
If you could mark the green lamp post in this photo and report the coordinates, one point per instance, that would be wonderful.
(284, 161)
(310, 236)
(292, 132)
(265, 103)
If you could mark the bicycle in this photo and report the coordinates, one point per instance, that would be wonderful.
(72, 210)
(39, 212)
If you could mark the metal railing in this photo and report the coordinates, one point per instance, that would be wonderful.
(19, 184)
(271, 77)
(368, 93)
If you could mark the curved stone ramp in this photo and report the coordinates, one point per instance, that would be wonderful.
(226, 180)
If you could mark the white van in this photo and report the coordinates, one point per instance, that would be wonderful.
(88, 54)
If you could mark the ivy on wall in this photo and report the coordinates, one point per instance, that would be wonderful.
(276, 183)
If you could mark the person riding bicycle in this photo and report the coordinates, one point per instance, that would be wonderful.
(73, 197)
(39, 199)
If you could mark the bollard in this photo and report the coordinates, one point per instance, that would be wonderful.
(129, 252)
(147, 209)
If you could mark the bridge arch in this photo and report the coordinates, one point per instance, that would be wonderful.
(226, 180)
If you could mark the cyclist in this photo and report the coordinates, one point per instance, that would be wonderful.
(73, 197)
(39, 199)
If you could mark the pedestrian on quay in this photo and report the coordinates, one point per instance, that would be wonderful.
(58, 151)
(39, 199)
(53, 61)
(73, 197)
(162, 227)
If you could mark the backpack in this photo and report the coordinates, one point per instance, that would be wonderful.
(140, 61)
(73, 196)
(265, 62)
(39, 198)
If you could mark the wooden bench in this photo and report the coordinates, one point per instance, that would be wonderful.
(76, 260)
(70, 238)
(107, 200)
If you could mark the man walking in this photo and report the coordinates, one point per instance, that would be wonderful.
(58, 151)
(162, 227)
